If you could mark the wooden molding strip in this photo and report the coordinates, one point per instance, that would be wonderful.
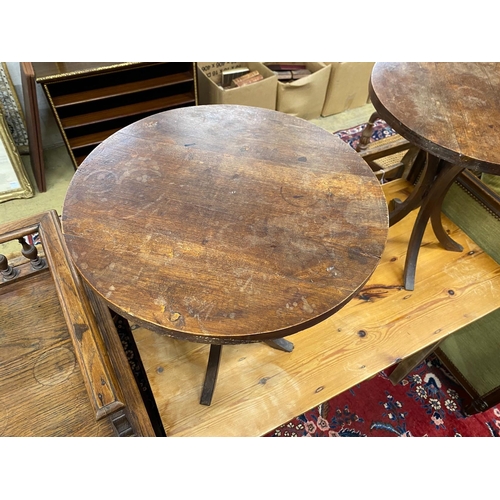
(82, 325)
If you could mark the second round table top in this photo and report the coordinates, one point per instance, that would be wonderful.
(450, 109)
(224, 223)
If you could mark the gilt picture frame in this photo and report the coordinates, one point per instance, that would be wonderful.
(14, 181)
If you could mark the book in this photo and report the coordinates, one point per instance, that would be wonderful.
(300, 73)
(228, 75)
(253, 76)
(289, 76)
(285, 67)
(247, 81)
(284, 75)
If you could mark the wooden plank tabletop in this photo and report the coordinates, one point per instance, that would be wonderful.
(451, 109)
(225, 224)
(260, 388)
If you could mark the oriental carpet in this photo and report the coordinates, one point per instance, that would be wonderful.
(427, 403)
(352, 135)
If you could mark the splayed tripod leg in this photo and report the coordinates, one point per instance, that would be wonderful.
(211, 374)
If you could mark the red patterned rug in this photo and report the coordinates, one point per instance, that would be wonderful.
(428, 402)
(352, 135)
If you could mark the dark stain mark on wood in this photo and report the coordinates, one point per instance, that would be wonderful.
(263, 381)
(302, 158)
(80, 330)
(191, 144)
(289, 198)
(376, 292)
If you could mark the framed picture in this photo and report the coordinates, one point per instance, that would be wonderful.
(14, 182)
(12, 109)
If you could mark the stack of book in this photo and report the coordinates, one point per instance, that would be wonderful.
(289, 72)
(239, 77)
(251, 77)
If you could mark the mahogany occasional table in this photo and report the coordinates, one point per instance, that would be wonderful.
(225, 224)
(451, 111)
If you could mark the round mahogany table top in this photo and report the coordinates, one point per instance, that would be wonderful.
(451, 110)
(225, 224)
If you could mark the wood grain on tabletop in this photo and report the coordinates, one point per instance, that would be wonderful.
(451, 110)
(260, 388)
(225, 224)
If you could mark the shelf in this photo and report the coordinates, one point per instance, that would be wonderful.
(91, 140)
(56, 71)
(148, 107)
(93, 101)
(120, 90)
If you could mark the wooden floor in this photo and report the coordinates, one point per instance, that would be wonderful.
(260, 388)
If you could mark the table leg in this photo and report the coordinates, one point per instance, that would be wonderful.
(214, 362)
(437, 226)
(399, 210)
(211, 374)
(367, 132)
(432, 201)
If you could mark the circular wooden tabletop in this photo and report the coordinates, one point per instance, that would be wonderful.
(451, 110)
(225, 224)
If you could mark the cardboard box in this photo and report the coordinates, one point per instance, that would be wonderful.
(305, 97)
(259, 94)
(348, 86)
